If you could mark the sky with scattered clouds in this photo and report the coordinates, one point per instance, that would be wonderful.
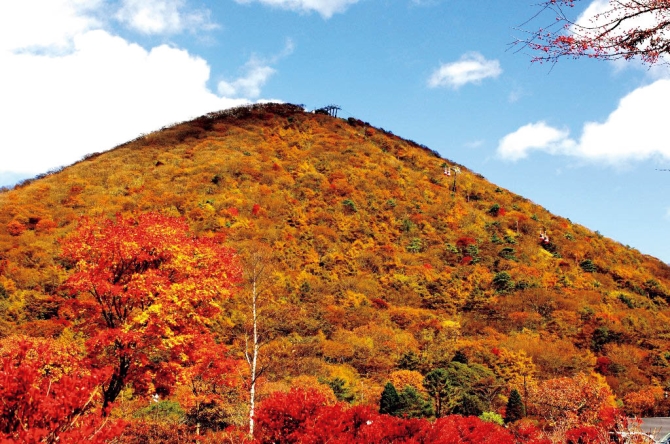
(586, 139)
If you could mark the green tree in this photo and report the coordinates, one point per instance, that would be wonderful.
(389, 403)
(588, 266)
(413, 404)
(492, 417)
(503, 282)
(341, 391)
(437, 385)
(469, 405)
(515, 408)
(409, 361)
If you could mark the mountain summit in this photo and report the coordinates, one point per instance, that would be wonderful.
(384, 256)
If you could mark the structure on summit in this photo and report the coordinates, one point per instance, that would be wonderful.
(330, 110)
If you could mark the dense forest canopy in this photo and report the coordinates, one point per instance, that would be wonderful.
(386, 264)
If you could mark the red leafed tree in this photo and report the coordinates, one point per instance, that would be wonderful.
(42, 403)
(143, 291)
(621, 29)
(284, 416)
(306, 417)
(456, 429)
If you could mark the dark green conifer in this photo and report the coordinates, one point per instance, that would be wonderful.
(413, 405)
(515, 408)
(390, 401)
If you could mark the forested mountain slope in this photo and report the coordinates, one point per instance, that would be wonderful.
(382, 266)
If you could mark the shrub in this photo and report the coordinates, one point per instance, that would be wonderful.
(507, 253)
(15, 228)
(588, 266)
(502, 282)
(493, 417)
(350, 205)
(163, 410)
(415, 245)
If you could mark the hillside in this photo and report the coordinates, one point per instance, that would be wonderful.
(381, 262)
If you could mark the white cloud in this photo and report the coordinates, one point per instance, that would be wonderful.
(601, 12)
(162, 16)
(44, 24)
(471, 68)
(593, 14)
(636, 130)
(250, 84)
(257, 72)
(86, 90)
(327, 8)
(534, 136)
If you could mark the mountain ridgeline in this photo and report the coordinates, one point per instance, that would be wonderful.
(385, 257)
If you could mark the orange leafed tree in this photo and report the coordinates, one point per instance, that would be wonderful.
(143, 291)
(566, 403)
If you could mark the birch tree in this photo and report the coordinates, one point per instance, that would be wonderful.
(256, 275)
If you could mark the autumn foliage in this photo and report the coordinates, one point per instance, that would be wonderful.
(301, 416)
(621, 29)
(382, 272)
(144, 291)
(48, 397)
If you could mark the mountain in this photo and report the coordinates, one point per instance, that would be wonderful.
(385, 256)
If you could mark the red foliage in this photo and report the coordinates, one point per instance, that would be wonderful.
(15, 228)
(526, 432)
(146, 289)
(464, 242)
(456, 429)
(466, 260)
(41, 407)
(583, 435)
(256, 209)
(305, 417)
(624, 29)
(380, 303)
(603, 365)
(283, 417)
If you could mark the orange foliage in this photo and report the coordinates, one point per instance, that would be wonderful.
(381, 265)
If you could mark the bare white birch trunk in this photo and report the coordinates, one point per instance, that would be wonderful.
(253, 361)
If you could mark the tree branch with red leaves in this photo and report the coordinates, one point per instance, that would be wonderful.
(617, 29)
(144, 291)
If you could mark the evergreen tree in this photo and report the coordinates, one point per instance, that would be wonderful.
(469, 405)
(390, 401)
(409, 361)
(413, 404)
(515, 408)
(341, 391)
(437, 384)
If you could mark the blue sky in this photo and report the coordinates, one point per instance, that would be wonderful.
(583, 138)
